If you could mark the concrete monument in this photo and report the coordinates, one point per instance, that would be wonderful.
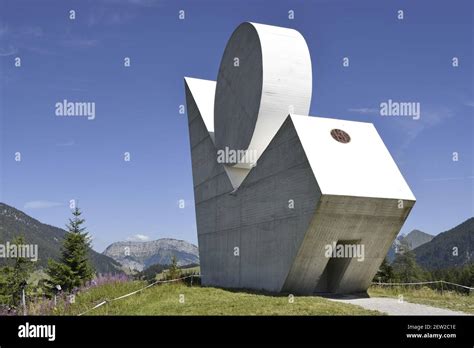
(286, 202)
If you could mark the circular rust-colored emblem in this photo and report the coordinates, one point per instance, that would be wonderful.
(340, 136)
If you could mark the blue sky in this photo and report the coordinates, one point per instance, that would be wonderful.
(137, 108)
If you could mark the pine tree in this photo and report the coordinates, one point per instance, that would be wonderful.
(406, 269)
(385, 272)
(5, 297)
(15, 278)
(73, 268)
(174, 271)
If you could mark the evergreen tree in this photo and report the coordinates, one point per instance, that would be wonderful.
(385, 273)
(174, 271)
(73, 268)
(5, 297)
(406, 269)
(470, 275)
(13, 279)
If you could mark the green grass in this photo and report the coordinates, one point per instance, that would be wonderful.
(184, 272)
(165, 300)
(448, 299)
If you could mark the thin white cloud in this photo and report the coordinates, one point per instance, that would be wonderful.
(413, 128)
(107, 17)
(8, 51)
(17, 33)
(79, 43)
(138, 238)
(364, 110)
(470, 103)
(451, 178)
(428, 119)
(66, 143)
(3, 30)
(30, 31)
(42, 204)
(140, 3)
(20, 38)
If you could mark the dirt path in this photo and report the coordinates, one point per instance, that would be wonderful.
(391, 306)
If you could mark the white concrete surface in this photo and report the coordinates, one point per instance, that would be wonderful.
(266, 227)
(363, 167)
(202, 93)
(273, 79)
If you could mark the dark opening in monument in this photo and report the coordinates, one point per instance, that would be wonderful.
(343, 252)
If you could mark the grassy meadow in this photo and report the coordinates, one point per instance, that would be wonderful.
(181, 299)
(448, 299)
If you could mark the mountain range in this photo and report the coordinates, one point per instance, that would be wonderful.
(452, 248)
(449, 249)
(118, 257)
(412, 240)
(15, 223)
(140, 255)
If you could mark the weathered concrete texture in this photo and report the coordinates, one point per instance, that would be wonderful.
(257, 218)
(282, 248)
(268, 227)
(371, 222)
(203, 94)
